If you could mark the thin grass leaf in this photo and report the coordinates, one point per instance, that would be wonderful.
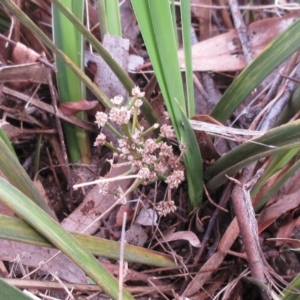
(282, 138)
(62, 240)
(155, 21)
(282, 178)
(17, 230)
(102, 18)
(173, 12)
(119, 72)
(68, 39)
(9, 292)
(289, 294)
(277, 52)
(17, 176)
(6, 140)
(28, 23)
(185, 9)
(277, 162)
(113, 17)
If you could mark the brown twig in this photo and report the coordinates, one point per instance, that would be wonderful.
(245, 215)
(61, 137)
(212, 222)
(271, 116)
(48, 108)
(241, 29)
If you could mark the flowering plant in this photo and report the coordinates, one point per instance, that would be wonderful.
(151, 159)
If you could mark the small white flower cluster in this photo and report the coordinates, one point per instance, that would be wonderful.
(165, 207)
(103, 187)
(152, 159)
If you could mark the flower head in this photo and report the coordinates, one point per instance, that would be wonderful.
(175, 178)
(101, 118)
(165, 207)
(103, 187)
(100, 139)
(138, 103)
(167, 131)
(120, 115)
(117, 100)
(136, 92)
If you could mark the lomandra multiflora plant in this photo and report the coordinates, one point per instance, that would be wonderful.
(151, 159)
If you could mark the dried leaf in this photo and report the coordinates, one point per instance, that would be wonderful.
(224, 52)
(182, 235)
(72, 108)
(284, 204)
(34, 256)
(204, 17)
(215, 261)
(23, 55)
(120, 214)
(147, 217)
(285, 231)
(95, 204)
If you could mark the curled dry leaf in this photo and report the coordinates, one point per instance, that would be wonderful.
(72, 108)
(22, 54)
(120, 215)
(277, 208)
(182, 235)
(146, 217)
(224, 52)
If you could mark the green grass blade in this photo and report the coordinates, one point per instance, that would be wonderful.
(28, 23)
(17, 176)
(109, 18)
(187, 46)
(6, 140)
(17, 230)
(282, 178)
(155, 21)
(102, 18)
(120, 73)
(62, 240)
(277, 162)
(9, 292)
(113, 17)
(68, 39)
(174, 20)
(283, 138)
(277, 52)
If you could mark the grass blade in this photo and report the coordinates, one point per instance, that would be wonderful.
(277, 52)
(17, 176)
(9, 292)
(17, 230)
(69, 40)
(282, 138)
(62, 240)
(155, 21)
(187, 42)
